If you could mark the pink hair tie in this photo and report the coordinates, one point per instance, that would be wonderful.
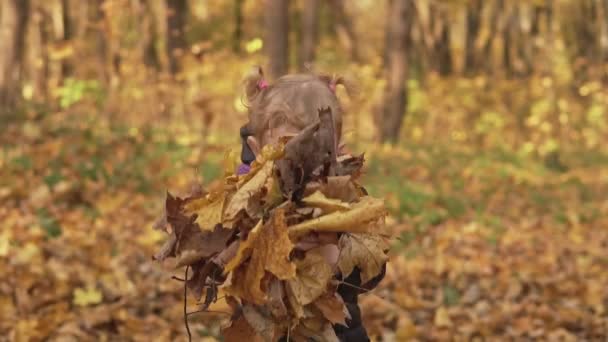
(262, 84)
(332, 87)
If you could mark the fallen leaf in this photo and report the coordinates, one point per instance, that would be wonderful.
(87, 296)
(355, 220)
(240, 200)
(275, 299)
(315, 329)
(240, 330)
(328, 205)
(260, 322)
(244, 250)
(342, 188)
(209, 210)
(333, 308)
(195, 244)
(442, 318)
(313, 274)
(366, 251)
(269, 249)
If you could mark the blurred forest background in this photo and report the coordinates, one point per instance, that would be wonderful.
(484, 124)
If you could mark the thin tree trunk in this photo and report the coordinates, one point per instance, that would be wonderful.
(13, 21)
(237, 36)
(176, 42)
(310, 23)
(37, 60)
(395, 94)
(473, 25)
(345, 29)
(276, 18)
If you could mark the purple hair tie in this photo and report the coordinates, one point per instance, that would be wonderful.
(243, 169)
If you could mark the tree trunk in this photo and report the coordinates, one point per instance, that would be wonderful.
(37, 61)
(473, 25)
(177, 11)
(13, 20)
(237, 36)
(395, 93)
(276, 19)
(310, 23)
(345, 29)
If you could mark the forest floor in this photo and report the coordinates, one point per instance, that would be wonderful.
(487, 244)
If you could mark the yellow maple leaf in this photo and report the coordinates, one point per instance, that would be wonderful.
(244, 250)
(253, 186)
(88, 296)
(328, 205)
(269, 248)
(209, 210)
(356, 220)
(366, 251)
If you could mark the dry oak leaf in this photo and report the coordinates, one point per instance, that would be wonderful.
(315, 329)
(261, 323)
(202, 244)
(240, 200)
(333, 308)
(355, 220)
(270, 249)
(240, 330)
(366, 251)
(328, 205)
(342, 188)
(209, 210)
(313, 273)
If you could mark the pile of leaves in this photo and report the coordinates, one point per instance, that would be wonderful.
(277, 241)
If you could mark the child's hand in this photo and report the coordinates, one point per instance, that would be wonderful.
(327, 243)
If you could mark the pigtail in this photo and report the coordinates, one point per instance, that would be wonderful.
(333, 81)
(254, 83)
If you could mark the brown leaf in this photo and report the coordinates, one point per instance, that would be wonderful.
(342, 188)
(197, 282)
(261, 323)
(195, 244)
(350, 165)
(240, 330)
(333, 308)
(315, 329)
(328, 205)
(275, 299)
(366, 251)
(270, 249)
(229, 253)
(355, 220)
(313, 274)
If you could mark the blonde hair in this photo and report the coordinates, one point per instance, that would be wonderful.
(294, 99)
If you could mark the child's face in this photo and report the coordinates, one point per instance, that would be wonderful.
(273, 134)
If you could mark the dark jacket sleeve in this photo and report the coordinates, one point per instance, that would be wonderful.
(349, 290)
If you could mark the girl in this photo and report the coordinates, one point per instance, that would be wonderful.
(285, 108)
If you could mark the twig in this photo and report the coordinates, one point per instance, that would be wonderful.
(186, 305)
(177, 278)
(353, 286)
(208, 311)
